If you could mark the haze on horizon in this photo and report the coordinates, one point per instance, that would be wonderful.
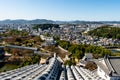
(64, 10)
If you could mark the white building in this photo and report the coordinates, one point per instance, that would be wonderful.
(46, 38)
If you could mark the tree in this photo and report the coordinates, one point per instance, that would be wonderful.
(69, 62)
(45, 26)
(90, 65)
(106, 31)
(14, 51)
(118, 36)
(64, 44)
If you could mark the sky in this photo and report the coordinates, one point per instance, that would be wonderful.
(64, 10)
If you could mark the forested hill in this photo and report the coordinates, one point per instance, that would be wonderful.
(45, 26)
(106, 31)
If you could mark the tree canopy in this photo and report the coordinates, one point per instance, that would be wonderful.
(45, 26)
(78, 50)
(106, 31)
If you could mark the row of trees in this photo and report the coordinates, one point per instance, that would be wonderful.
(15, 62)
(32, 41)
(106, 31)
(18, 52)
(30, 60)
(12, 33)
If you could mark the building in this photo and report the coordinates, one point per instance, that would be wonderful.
(109, 68)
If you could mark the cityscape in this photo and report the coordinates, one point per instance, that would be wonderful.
(59, 40)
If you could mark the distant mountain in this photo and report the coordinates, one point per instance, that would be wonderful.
(45, 21)
(41, 21)
(8, 21)
(111, 22)
(21, 21)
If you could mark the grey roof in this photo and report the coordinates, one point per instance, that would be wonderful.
(87, 57)
(20, 47)
(112, 65)
(2, 46)
(82, 62)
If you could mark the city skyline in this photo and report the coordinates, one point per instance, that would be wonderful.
(63, 10)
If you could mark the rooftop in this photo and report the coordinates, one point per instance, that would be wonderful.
(111, 66)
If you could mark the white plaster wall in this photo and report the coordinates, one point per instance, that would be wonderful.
(102, 74)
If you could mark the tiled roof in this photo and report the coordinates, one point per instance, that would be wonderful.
(111, 66)
(52, 71)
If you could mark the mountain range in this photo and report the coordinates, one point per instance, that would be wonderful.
(45, 21)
